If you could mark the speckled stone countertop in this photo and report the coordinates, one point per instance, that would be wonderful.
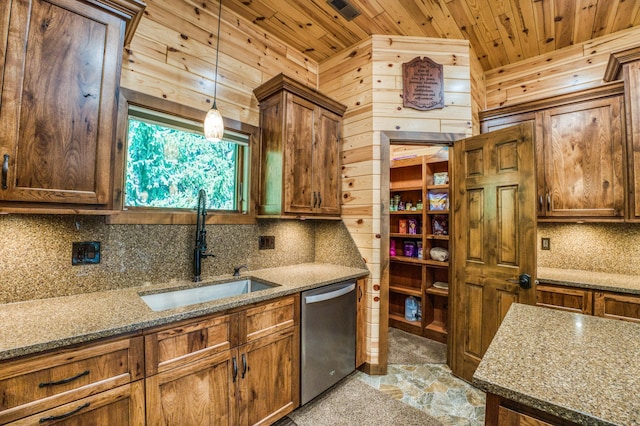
(38, 325)
(588, 279)
(577, 367)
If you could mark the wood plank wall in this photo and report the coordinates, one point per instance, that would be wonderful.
(173, 54)
(368, 79)
(573, 68)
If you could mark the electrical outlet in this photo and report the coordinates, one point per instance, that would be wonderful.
(85, 253)
(266, 242)
(546, 244)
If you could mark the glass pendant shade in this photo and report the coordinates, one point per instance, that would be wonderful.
(213, 125)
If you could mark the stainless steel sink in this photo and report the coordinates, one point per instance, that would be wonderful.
(191, 296)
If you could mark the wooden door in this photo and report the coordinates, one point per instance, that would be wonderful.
(327, 184)
(494, 237)
(268, 373)
(200, 393)
(59, 102)
(583, 157)
(298, 152)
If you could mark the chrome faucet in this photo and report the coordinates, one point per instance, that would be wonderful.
(236, 270)
(200, 252)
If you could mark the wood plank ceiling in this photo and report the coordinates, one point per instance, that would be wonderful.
(501, 32)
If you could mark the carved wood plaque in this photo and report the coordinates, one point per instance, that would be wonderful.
(422, 84)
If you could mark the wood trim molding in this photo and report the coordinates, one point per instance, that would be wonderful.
(617, 60)
(608, 89)
(130, 10)
(282, 82)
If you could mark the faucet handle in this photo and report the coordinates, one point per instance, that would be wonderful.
(236, 270)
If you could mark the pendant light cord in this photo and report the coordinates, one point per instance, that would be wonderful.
(215, 86)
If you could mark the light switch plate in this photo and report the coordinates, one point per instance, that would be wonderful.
(85, 253)
(546, 244)
(266, 242)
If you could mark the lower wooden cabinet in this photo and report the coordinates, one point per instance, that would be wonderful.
(240, 368)
(68, 386)
(605, 304)
(504, 412)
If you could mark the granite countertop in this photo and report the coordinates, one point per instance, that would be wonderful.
(577, 367)
(38, 325)
(593, 280)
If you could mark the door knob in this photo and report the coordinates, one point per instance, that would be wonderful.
(524, 281)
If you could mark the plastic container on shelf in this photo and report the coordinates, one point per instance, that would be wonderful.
(411, 309)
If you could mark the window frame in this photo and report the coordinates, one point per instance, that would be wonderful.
(155, 215)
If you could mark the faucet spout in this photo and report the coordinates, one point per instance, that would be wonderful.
(200, 251)
(236, 270)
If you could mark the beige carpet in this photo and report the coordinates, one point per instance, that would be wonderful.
(354, 403)
(407, 348)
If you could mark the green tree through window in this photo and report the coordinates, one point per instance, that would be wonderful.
(166, 167)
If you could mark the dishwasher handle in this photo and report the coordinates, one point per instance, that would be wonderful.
(331, 295)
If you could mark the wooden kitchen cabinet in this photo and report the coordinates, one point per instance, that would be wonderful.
(504, 412)
(96, 383)
(59, 97)
(361, 323)
(624, 307)
(299, 150)
(565, 298)
(238, 368)
(579, 152)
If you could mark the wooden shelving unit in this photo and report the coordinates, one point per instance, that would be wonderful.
(413, 181)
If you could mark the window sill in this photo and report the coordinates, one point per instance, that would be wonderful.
(142, 217)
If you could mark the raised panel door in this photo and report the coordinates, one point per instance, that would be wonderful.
(59, 102)
(494, 237)
(583, 155)
(269, 377)
(565, 299)
(197, 394)
(326, 163)
(298, 155)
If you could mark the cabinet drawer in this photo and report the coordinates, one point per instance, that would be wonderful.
(37, 383)
(178, 345)
(617, 306)
(123, 405)
(271, 317)
(566, 299)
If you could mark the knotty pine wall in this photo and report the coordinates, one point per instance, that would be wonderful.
(368, 79)
(573, 68)
(173, 54)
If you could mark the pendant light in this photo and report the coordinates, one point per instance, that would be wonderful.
(213, 124)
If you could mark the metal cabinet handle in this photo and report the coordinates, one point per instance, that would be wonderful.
(359, 293)
(315, 199)
(64, 416)
(319, 200)
(540, 205)
(244, 365)
(548, 201)
(235, 368)
(63, 381)
(5, 171)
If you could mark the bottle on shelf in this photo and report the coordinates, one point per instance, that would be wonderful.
(411, 309)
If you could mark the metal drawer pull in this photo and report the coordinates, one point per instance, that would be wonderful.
(5, 171)
(63, 381)
(63, 416)
(244, 365)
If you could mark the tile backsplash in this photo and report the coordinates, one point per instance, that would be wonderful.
(597, 247)
(35, 252)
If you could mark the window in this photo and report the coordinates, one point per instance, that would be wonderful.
(169, 160)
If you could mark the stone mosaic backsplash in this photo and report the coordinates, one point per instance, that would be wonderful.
(35, 252)
(598, 247)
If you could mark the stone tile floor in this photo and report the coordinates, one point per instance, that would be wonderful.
(433, 389)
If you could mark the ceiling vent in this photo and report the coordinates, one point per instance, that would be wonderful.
(344, 8)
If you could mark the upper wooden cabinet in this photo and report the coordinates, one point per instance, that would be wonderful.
(625, 66)
(299, 150)
(59, 97)
(579, 152)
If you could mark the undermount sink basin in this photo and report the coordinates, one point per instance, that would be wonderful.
(191, 296)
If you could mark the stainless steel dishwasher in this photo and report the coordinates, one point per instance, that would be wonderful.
(328, 337)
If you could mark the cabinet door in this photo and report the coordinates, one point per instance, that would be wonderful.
(583, 159)
(326, 163)
(298, 156)
(123, 405)
(269, 376)
(59, 101)
(617, 306)
(271, 155)
(565, 299)
(199, 393)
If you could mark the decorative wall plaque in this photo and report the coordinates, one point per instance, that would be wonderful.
(422, 84)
